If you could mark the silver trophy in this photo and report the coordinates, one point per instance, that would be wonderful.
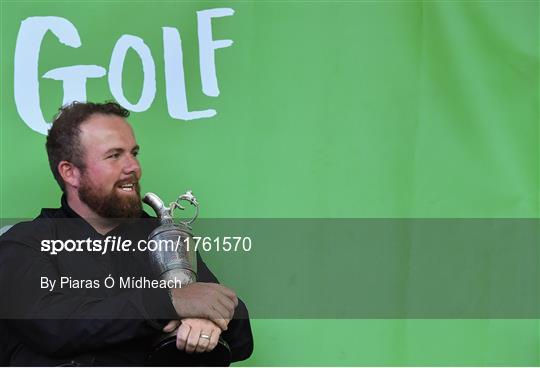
(175, 260)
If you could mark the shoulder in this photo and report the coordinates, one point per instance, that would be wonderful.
(28, 233)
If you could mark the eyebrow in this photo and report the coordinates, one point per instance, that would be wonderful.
(113, 150)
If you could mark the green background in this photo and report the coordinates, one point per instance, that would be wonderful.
(344, 109)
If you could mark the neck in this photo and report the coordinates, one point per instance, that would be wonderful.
(101, 224)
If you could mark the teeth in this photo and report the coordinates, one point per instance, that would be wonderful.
(127, 187)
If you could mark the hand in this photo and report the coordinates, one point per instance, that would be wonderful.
(207, 301)
(197, 335)
(188, 335)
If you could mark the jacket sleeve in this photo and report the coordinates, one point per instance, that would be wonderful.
(238, 335)
(60, 323)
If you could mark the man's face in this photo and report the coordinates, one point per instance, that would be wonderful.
(110, 179)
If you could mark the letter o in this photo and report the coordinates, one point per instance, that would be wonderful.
(152, 245)
(116, 67)
(70, 245)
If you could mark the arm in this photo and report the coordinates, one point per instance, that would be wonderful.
(61, 323)
(238, 334)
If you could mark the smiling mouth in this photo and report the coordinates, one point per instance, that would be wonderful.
(127, 187)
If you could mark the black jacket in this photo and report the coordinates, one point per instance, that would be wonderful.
(86, 325)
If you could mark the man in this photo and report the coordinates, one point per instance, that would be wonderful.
(57, 310)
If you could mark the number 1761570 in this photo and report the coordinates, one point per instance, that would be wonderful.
(219, 243)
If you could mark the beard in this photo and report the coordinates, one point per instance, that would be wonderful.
(112, 204)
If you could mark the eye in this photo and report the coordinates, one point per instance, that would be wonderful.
(114, 155)
(135, 153)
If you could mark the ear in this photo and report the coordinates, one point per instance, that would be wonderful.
(69, 173)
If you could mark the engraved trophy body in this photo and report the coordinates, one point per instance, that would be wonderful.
(175, 261)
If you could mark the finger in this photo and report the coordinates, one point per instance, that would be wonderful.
(218, 318)
(213, 339)
(182, 336)
(229, 293)
(171, 326)
(193, 339)
(222, 322)
(221, 311)
(229, 306)
(204, 340)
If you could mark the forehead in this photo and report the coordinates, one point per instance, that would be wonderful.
(101, 132)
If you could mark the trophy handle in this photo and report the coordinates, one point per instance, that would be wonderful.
(163, 213)
(189, 197)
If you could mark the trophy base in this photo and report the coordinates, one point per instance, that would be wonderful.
(165, 354)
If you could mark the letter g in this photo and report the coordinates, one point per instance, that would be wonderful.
(26, 84)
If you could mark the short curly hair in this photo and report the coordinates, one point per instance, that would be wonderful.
(63, 141)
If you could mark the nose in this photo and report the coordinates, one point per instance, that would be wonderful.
(132, 166)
